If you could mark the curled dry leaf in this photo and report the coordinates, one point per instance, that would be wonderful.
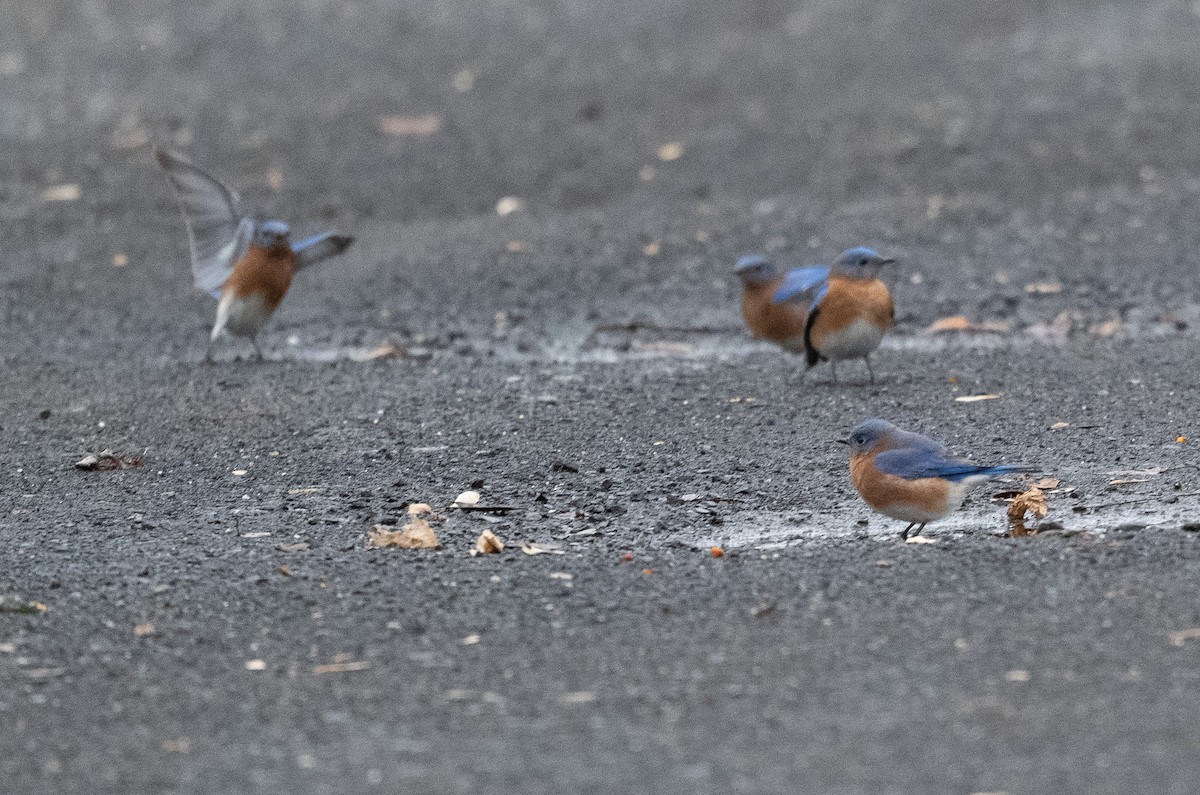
(961, 323)
(975, 398)
(107, 460)
(541, 549)
(488, 543)
(1032, 501)
(1058, 426)
(467, 498)
(417, 534)
(1046, 484)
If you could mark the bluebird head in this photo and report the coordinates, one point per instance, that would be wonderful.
(755, 269)
(866, 436)
(270, 234)
(860, 263)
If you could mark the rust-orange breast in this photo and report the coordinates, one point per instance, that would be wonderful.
(263, 271)
(883, 491)
(848, 300)
(768, 320)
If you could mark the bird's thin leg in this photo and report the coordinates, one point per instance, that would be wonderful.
(870, 372)
(833, 367)
(257, 350)
(904, 533)
(208, 352)
(919, 529)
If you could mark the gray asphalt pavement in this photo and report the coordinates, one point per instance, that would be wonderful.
(210, 618)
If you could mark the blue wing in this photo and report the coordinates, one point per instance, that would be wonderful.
(805, 284)
(217, 230)
(319, 247)
(914, 463)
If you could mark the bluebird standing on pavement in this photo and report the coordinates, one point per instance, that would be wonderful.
(911, 477)
(849, 308)
(244, 262)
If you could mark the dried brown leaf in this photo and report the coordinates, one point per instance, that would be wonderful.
(961, 323)
(540, 549)
(107, 460)
(417, 534)
(488, 543)
(384, 350)
(1031, 501)
(341, 667)
(426, 124)
(1044, 288)
(467, 498)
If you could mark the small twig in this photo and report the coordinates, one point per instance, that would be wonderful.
(1142, 499)
(636, 326)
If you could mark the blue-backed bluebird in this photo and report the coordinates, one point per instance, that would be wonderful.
(849, 308)
(244, 262)
(781, 322)
(911, 477)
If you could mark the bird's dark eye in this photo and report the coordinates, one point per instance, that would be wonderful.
(862, 261)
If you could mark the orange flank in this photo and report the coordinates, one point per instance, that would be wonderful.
(782, 323)
(897, 497)
(265, 272)
(847, 301)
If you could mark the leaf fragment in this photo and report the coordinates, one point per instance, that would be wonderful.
(1031, 501)
(975, 398)
(467, 498)
(417, 534)
(962, 323)
(541, 549)
(420, 126)
(488, 543)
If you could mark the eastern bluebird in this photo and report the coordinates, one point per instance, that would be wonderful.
(781, 322)
(244, 262)
(911, 477)
(849, 307)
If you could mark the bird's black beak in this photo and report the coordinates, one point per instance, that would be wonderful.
(887, 262)
(842, 441)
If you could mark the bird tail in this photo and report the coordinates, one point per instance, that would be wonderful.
(976, 474)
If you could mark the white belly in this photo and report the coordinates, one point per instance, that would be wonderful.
(853, 342)
(240, 316)
(906, 512)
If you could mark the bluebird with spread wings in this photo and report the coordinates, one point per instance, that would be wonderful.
(244, 262)
(847, 307)
(911, 477)
(781, 322)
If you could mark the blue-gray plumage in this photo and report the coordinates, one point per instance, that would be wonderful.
(911, 477)
(245, 263)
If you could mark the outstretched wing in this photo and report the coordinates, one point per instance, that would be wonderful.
(217, 230)
(319, 247)
(803, 284)
(915, 463)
